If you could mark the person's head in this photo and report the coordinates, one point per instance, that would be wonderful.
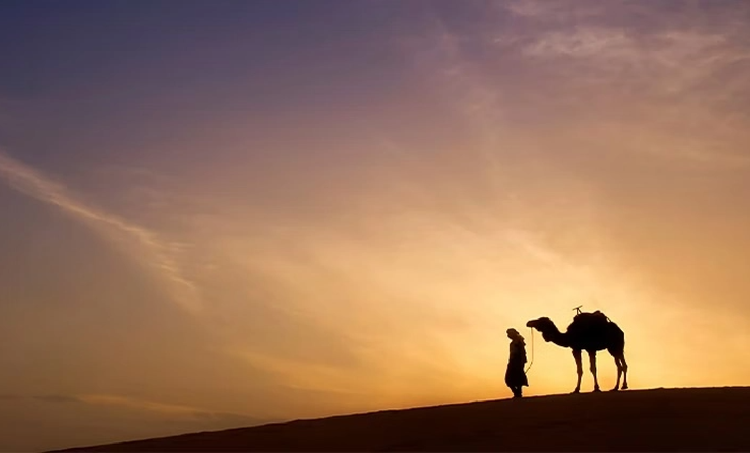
(513, 334)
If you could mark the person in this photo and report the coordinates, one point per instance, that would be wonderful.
(515, 376)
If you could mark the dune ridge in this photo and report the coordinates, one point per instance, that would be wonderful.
(681, 419)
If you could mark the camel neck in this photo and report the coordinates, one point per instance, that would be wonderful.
(555, 336)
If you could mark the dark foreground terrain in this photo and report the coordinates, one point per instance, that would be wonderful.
(705, 419)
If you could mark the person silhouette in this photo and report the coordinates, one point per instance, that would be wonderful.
(515, 376)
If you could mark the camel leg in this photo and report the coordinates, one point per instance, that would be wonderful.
(579, 368)
(618, 364)
(624, 367)
(619, 374)
(592, 363)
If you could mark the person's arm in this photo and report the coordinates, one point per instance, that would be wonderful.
(518, 352)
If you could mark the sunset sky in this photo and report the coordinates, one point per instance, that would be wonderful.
(218, 213)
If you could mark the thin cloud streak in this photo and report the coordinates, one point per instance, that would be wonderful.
(555, 10)
(151, 406)
(159, 255)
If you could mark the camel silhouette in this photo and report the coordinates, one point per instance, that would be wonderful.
(591, 332)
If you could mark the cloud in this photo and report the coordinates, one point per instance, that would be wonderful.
(174, 412)
(667, 80)
(58, 399)
(671, 51)
(583, 43)
(555, 10)
(134, 403)
(694, 53)
(158, 254)
(131, 403)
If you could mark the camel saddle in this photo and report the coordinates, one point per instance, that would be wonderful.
(596, 316)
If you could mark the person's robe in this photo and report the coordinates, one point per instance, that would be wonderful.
(515, 375)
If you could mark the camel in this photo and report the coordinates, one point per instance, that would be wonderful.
(591, 332)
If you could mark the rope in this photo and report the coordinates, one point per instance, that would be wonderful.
(532, 350)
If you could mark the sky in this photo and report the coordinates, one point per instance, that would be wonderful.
(223, 213)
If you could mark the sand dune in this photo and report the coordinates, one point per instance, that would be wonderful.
(696, 419)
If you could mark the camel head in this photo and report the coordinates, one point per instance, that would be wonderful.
(545, 326)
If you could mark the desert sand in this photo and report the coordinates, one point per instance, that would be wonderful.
(695, 419)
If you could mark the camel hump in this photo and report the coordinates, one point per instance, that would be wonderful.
(601, 315)
(596, 316)
(591, 323)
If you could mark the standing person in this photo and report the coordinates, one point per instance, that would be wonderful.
(515, 376)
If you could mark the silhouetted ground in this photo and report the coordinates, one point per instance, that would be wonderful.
(706, 419)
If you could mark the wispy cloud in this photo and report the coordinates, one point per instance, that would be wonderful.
(139, 404)
(671, 55)
(158, 254)
(172, 411)
(590, 42)
(668, 79)
(555, 9)
(57, 398)
(667, 49)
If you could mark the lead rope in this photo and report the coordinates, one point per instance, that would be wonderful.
(532, 350)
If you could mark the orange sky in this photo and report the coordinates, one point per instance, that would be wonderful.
(197, 256)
